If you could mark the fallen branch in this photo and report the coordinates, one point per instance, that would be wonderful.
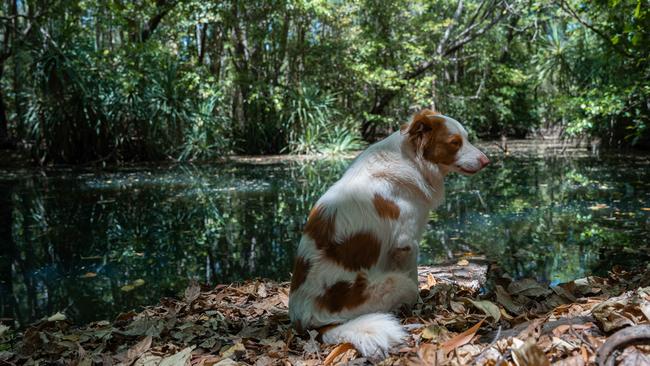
(625, 336)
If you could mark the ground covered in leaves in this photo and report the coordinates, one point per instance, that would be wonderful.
(586, 321)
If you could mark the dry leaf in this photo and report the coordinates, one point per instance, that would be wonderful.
(431, 281)
(261, 290)
(181, 358)
(488, 308)
(136, 351)
(528, 287)
(429, 354)
(529, 355)
(337, 351)
(462, 338)
(230, 352)
(457, 307)
(433, 332)
(192, 292)
(504, 298)
(645, 309)
(57, 317)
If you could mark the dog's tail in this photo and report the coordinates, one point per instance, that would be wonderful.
(373, 335)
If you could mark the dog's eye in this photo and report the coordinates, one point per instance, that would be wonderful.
(455, 143)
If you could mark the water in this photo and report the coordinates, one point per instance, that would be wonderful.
(93, 244)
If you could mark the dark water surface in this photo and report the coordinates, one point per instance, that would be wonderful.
(93, 244)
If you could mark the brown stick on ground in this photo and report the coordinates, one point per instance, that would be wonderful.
(605, 357)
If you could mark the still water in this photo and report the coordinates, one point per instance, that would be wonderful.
(93, 244)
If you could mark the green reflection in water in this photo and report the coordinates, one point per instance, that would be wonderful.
(95, 244)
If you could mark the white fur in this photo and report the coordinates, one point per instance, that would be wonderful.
(371, 334)
(390, 282)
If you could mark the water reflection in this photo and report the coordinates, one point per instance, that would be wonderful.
(94, 244)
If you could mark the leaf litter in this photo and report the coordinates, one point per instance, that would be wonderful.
(587, 321)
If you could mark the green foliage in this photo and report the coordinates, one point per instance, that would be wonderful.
(315, 125)
(90, 80)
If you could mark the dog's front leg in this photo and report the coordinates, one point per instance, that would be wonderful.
(403, 257)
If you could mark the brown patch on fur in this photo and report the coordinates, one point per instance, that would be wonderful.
(358, 251)
(320, 227)
(344, 295)
(431, 138)
(386, 209)
(300, 270)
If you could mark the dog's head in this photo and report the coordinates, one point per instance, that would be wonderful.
(443, 140)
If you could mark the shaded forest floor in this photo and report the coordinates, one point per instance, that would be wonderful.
(519, 322)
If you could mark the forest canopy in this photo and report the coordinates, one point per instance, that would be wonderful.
(116, 80)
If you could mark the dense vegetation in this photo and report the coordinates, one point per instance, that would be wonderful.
(90, 80)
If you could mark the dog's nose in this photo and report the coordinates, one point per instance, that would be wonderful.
(483, 160)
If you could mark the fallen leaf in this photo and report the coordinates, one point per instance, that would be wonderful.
(431, 281)
(337, 351)
(645, 208)
(645, 309)
(462, 338)
(57, 317)
(226, 362)
(261, 290)
(429, 354)
(507, 301)
(148, 360)
(181, 358)
(488, 308)
(463, 262)
(575, 360)
(528, 287)
(505, 314)
(230, 352)
(192, 292)
(457, 307)
(562, 345)
(529, 355)
(433, 332)
(145, 326)
(89, 275)
(563, 328)
(136, 351)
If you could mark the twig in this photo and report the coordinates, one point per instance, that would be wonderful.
(494, 341)
(581, 338)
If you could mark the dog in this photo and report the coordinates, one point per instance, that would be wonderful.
(357, 258)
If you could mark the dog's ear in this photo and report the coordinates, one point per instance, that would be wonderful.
(424, 121)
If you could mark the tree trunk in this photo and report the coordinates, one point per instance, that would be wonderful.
(7, 305)
(201, 30)
(4, 129)
(368, 127)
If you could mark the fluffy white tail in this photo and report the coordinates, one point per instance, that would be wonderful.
(373, 335)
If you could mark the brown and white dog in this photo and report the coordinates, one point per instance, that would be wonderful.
(357, 259)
